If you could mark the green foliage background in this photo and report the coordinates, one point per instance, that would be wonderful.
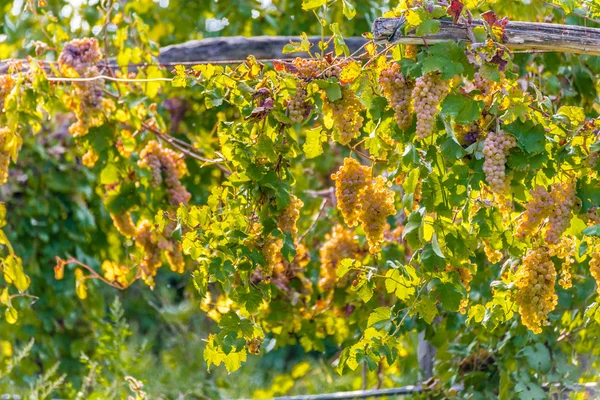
(56, 207)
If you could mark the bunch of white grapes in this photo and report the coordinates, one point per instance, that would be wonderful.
(429, 91)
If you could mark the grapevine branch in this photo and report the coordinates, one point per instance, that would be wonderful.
(186, 149)
(94, 274)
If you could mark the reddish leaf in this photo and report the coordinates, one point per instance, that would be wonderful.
(490, 17)
(279, 65)
(455, 9)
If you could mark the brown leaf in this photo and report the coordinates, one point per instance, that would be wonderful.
(455, 9)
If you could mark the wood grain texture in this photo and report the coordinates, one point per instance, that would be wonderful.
(521, 35)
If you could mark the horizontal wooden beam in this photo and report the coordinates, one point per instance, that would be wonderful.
(228, 49)
(239, 47)
(521, 35)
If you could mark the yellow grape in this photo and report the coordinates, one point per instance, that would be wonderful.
(350, 179)
(376, 204)
(124, 224)
(345, 115)
(339, 243)
(289, 217)
(535, 295)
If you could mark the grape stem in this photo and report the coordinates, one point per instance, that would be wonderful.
(94, 274)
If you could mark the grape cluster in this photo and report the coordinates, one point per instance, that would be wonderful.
(536, 297)
(465, 278)
(556, 206)
(595, 266)
(486, 86)
(350, 179)
(397, 89)
(559, 219)
(327, 67)
(80, 54)
(417, 195)
(289, 217)
(174, 255)
(147, 241)
(4, 155)
(496, 148)
(428, 93)
(124, 224)
(271, 251)
(284, 271)
(253, 345)
(161, 160)
(565, 251)
(339, 244)
(344, 115)
(376, 204)
(114, 272)
(298, 107)
(494, 256)
(470, 138)
(537, 210)
(78, 59)
(89, 158)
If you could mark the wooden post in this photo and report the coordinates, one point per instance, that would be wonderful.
(521, 35)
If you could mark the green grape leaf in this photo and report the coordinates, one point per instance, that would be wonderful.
(476, 313)
(332, 89)
(531, 137)
(447, 58)
(428, 27)
(313, 147)
(344, 267)
(463, 109)
(109, 175)
(180, 78)
(378, 315)
(427, 309)
(538, 357)
(431, 260)
(449, 295)
(348, 9)
(339, 44)
(402, 286)
(310, 4)
(363, 287)
(298, 47)
(592, 231)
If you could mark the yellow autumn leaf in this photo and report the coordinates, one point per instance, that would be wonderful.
(11, 315)
(14, 275)
(350, 72)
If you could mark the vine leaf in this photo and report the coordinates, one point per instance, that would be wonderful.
(378, 315)
(310, 4)
(449, 295)
(464, 109)
(530, 136)
(313, 147)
